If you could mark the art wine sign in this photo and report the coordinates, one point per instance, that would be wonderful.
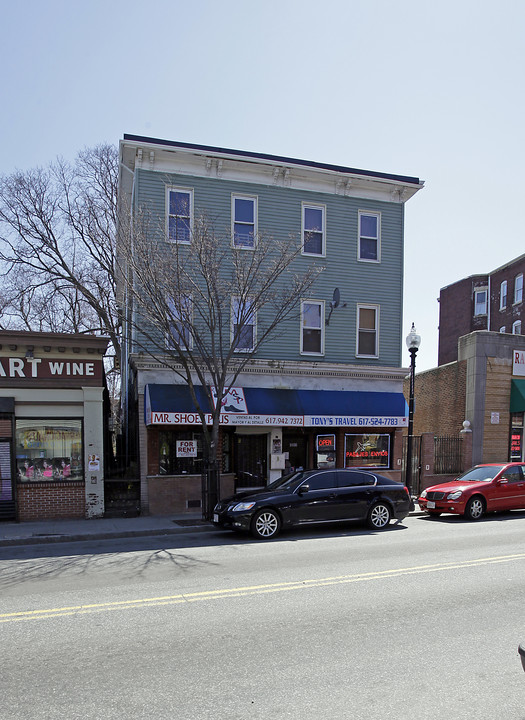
(19, 369)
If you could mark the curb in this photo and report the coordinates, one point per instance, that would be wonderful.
(47, 539)
(85, 537)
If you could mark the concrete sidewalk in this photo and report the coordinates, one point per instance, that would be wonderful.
(52, 531)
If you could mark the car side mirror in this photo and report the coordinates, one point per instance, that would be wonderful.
(502, 481)
(304, 489)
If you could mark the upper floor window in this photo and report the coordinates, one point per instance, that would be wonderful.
(180, 322)
(502, 329)
(244, 221)
(243, 325)
(180, 214)
(313, 229)
(369, 236)
(367, 330)
(518, 288)
(503, 295)
(480, 302)
(312, 327)
(516, 327)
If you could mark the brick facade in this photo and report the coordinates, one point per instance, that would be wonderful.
(440, 399)
(51, 501)
(457, 313)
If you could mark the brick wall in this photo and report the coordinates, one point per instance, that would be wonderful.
(51, 501)
(171, 494)
(439, 399)
(456, 316)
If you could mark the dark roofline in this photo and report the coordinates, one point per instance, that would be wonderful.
(274, 158)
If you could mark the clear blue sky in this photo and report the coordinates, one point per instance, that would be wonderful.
(414, 87)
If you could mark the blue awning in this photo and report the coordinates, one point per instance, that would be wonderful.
(172, 404)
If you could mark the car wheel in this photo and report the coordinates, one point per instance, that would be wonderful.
(475, 508)
(379, 516)
(266, 524)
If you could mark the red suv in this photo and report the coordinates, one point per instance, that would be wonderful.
(483, 489)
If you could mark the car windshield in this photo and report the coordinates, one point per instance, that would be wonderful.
(481, 474)
(287, 482)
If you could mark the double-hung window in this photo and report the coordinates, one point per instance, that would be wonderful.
(518, 288)
(367, 330)
(312, 327)
(503, 295)
(244, 221)
(369, 236)
(243, 325)
(313, 229)
(180, 214)
(480, 302)
(180, 323)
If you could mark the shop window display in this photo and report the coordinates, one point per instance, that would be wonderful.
(367, 451)
(49, 450)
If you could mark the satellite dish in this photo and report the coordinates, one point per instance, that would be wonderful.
(336, 298)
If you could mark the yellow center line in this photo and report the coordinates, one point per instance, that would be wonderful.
(253, 589)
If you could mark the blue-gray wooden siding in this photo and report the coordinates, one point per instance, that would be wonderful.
(279, 214)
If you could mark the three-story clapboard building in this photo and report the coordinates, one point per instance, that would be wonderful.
(323, 393)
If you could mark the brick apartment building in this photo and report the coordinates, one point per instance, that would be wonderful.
(481, 302)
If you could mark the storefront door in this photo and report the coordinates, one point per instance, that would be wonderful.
(7, 500)
(250, 461)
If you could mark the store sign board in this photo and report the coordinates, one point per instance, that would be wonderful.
(44, 368)
(518, 362)
(188, 418)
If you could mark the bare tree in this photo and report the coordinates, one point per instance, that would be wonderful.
(57, 246)
(204, 308)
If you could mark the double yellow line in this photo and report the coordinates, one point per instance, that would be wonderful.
(252, 589)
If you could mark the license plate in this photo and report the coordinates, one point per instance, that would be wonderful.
(431, 504)
(215, 517)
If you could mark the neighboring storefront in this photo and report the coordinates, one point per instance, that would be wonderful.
(486, 388)
(265, 432)
(52, 420)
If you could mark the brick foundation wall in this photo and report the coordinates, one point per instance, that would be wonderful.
(51, 501)
(171, 493)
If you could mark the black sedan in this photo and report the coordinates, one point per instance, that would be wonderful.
(315, 496)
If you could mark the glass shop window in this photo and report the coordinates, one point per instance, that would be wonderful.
(367, 451)
(49, 450)
(180, 453)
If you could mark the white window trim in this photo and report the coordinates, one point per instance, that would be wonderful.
(515, 325)
(516, 302)
(169, 346)
(377, 214)
(502, 329)
(503, 295)
(477, 291)
(255, 200)
(321, 303)
(365, 306)
(189, 191)
(232, 328)
(314, 206)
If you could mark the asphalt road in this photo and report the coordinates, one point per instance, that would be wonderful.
(419, 621)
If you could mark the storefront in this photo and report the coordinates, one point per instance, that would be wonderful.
(52, 394)
(265, 432)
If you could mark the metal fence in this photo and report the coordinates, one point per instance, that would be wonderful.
(447, 455)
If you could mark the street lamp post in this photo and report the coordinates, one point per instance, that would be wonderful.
(413, 342)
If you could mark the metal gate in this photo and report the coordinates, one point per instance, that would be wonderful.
(250, 461)
(416, 463)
